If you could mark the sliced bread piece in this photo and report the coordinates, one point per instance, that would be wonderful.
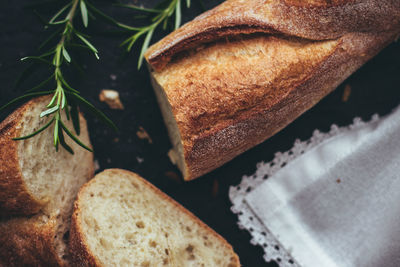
(32, 173)
(120, 219)
(34, 178)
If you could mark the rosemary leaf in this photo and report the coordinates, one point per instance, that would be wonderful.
(110, 19)
(137, 8)
(49, 111)
(20, 98)
(37, 58)
(56, 130)
(63, 143)
(146, 44)
(59, 13)
(58, 22)
(75, 116)
(84, 13)
(66, 55)
(67, 113)
(63, 99)
(36, 132)
(95, 111)
(53, 100)
(87, 42)
(73, 137)
(178, 14)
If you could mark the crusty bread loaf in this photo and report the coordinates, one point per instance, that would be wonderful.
(241, 72)
(120, 219)
(37, 180)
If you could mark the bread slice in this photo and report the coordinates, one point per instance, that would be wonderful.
(241, 72)
(37, 180)
(120, 219)
(32, 174)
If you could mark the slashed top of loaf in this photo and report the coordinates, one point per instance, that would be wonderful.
(211, 86)
(308, 19)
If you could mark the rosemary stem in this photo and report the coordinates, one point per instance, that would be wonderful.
(72, 11)
(59, 49)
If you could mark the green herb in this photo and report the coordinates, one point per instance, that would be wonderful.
(161, 14)
(65, 98)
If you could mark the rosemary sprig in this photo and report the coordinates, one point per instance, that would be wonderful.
(65, 98)
(161, 16)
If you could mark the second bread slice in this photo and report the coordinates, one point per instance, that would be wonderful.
(122, 220)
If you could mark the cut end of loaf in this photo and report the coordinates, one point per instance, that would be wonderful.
(52, 177)
(122, 220)
(176, 154)
(48, 180)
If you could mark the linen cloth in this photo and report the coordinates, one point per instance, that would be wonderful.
(331, 201)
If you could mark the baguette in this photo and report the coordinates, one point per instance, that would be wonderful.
(241, 72)
(120, 219)
(38, 186)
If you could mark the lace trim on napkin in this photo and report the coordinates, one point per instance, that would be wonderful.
(260, 234)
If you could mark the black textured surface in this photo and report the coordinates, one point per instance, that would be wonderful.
(375, 89)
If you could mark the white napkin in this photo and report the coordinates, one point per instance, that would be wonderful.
(336, 204)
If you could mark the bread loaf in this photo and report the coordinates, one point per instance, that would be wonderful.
(120, 219)
(39, 185)
(239, 73)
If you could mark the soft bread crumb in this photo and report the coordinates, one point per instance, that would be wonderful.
(111, 98)
(173, 157)
(346, 93)
(142, 134)
(52, 176)
(124, 221)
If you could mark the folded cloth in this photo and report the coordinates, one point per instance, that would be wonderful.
(331, 201)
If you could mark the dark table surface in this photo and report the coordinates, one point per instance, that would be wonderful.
(374, 89)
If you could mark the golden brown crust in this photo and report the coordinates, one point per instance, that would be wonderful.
(29, 242)
(79, 249)
(15, 197)
(312, 19)
(82, 256)
(249, 129)
(224, 104)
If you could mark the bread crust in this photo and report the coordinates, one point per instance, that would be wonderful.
(213, 133)
(29, 242)
(312, 19)
(81, 254)
(78, 247)
(15, 197)
(246, 130)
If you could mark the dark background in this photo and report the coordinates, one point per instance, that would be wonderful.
(374, 89)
